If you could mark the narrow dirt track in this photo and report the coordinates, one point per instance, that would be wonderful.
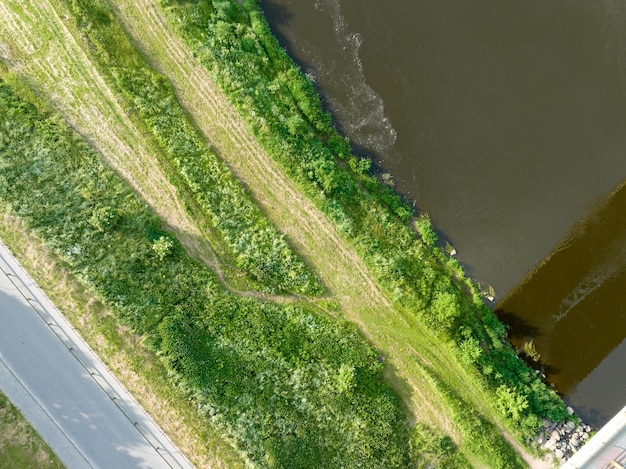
(59, 68)
(349, 280)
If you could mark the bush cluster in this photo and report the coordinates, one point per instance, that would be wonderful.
(288, 387)
(281, 106)
(259, 249)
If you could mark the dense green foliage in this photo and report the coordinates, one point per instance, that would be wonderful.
(435, 450)
(477, 430)
(234, 42)
(257, 246)
(288, 387)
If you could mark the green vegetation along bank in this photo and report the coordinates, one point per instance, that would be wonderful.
(291, 388)
(283, 110)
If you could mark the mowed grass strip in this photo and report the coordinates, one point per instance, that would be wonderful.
(21, 447)
(255, 244)
(145, 135)
(40, 51)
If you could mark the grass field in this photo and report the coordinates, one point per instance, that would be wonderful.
(20, 445)
(44, 51)
(141, 372)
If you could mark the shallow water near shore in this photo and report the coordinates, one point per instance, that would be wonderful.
(573, 310)
(506, 122)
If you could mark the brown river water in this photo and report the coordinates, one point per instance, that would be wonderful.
(506, 122)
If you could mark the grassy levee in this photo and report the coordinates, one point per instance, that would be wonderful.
(348, 279)
(288, 387)
(21, 447)
(445, 353)
(162, 150)
(426, 287)
(64, 74)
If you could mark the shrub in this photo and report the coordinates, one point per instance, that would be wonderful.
(289, 388)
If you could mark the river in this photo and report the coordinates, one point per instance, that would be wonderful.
(506, 122)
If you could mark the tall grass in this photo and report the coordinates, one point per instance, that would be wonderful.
(21, 447)
(289, 388)
(257, 247)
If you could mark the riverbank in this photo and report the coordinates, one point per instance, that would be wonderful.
(294, 94)
(444, 353)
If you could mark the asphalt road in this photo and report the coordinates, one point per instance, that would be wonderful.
(65, 391)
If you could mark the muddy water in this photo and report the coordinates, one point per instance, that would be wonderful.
(506, 122)
(573, 309)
